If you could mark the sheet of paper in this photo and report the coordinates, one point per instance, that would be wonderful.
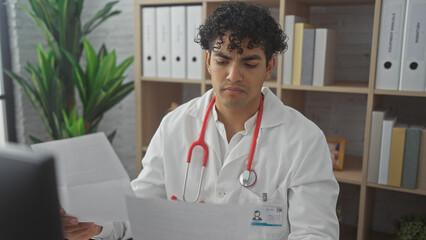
(164, 220)
(92, 182)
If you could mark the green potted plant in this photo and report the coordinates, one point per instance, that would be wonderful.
(51, 85)
(411, 227)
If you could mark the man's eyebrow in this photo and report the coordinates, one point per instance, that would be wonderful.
(251, 57)
(222, 55)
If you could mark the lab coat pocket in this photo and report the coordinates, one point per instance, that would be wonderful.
(269, 219)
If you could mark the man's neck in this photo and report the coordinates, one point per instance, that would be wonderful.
(234, 119)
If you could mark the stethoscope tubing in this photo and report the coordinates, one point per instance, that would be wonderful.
(200, 142)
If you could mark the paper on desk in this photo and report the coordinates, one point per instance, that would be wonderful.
(164, 220)
(92, 182)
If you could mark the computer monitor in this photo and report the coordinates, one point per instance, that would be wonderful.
(29, 206)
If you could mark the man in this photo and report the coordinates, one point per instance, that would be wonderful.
(259, 151)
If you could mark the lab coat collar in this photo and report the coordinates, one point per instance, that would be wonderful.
(272, 115)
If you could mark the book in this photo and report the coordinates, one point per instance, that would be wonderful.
(411, 156)
(385, 146)
(307, 57)
(396, 158)
(297, 52)
(375, 141)
(421, 173)
(289, 22)
(324, 57)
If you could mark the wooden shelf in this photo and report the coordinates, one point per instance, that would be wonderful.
(162, 2)
(170, 80)
(335, 2)
(338, 87)
(398, 189)
(352, 171)
(270, 83)
(399, 93)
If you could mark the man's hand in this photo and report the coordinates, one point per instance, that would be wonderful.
(74, 230)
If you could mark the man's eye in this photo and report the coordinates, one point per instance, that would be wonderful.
(220, 62)
(250, 65)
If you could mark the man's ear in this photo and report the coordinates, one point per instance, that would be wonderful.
(208, 61)
(270, 67)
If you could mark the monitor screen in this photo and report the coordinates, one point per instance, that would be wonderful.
(29, 206)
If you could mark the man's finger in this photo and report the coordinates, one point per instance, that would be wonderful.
(78, 227)
(62, 211)
(84, 233)
(69, 221)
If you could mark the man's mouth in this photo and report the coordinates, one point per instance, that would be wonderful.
(233, 90)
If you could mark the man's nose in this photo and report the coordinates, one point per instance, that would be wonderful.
(234, 73)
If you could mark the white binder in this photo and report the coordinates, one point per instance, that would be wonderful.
(324, 57)
(194, 55)
(178, 41)
(290, 20)
(163, 42)
(413, 67)
(390, 44)
(149, 55)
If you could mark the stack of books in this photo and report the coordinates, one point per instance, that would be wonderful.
(310, 57)
(397, 153)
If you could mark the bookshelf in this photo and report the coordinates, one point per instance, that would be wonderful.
(154, 95)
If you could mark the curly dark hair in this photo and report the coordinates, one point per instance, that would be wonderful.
(243, 21)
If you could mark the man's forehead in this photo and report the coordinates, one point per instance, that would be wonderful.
(223, 50)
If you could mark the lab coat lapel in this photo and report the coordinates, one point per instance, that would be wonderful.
(212, 140)
(241, 152)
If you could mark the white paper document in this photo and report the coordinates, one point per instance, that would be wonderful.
(92, 182)
(164, 220)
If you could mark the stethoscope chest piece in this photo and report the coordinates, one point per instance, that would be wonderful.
(248, 178)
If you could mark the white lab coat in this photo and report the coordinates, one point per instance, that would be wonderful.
(292, 162)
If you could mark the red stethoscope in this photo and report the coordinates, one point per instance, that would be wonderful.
(247, 178)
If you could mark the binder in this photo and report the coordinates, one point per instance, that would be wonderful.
(297, 52)
(385, 147)
(178, 41)
(149, 55)
(194, 54)
(324, 57)
(307, 57)
(163, 42)
(289, 22)
(413, 67)
(390, 44)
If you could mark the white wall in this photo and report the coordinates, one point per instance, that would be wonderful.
(116, 33)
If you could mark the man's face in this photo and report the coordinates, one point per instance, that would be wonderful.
(238, 78)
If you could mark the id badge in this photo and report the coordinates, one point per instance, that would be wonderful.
(267, 216)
